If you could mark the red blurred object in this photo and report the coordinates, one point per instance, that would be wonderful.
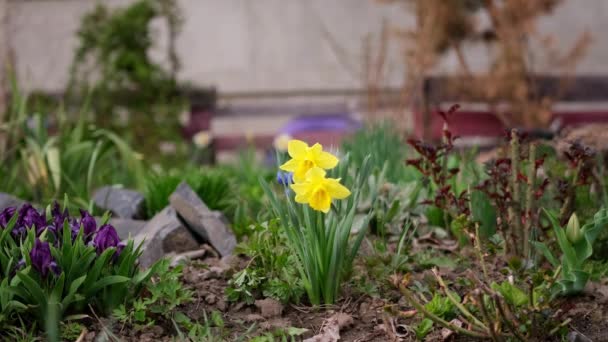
(199, 120)
(470, 123)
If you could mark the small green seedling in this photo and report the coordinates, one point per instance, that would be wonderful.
(576, 245)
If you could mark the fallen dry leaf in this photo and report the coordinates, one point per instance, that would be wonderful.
(447, 333)
(330, 332)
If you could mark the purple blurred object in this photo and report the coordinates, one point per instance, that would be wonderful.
(88, 224)
(285, 178)
(29, 217)
(6, 215)
(59, 217)
(105, 238)
(41, 258)
(335, 122)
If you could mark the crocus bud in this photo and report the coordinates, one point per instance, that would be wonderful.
(30, 217)
(6, 215)
(59, 216)
(105, 238)
(88, 223)
(573, 229)
(41, 258)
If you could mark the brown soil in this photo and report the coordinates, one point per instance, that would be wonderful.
(371, 321)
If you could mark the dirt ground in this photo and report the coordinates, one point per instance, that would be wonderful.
(358, 317)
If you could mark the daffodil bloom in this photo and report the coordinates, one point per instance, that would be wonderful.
(318, 191)
(304, 158)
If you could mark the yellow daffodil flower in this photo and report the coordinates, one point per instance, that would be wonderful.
(305, 158)
(318, 191)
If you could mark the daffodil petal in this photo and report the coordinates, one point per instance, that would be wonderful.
(297, 149)
(315, 150)
(336, 190)
(303, 199)
(320, 200)
(326, 160)
(315, 174)
(291, 165)
(300, 188)
(299, 174)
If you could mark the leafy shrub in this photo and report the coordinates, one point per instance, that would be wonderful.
(385, 147)
(164, 294)
(272, 271)
(248, 204)
(576, 245)
(211, 186)
(114, 45)
(75, 160)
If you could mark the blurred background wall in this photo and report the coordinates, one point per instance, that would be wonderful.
(244, 46)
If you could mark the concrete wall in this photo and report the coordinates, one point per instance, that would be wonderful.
(258, 45)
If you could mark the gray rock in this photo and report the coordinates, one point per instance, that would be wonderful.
(574, 336)
(7, 200)
(124, 227)
(123, 203)
(210, 225)
(162, 235)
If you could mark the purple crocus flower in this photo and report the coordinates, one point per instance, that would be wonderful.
(54, 268)
(119, 248)
(6, 215)
(29, 217)
(74, 227)
(59, 216)
(41, 258)
(105, 238)
(88, 223)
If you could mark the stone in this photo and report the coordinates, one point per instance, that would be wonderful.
(269, 307)
(575, 336)
(210, 225)
(123, 203)
(7, 200)
(213, 272)
(230, 262)
(125, 227)
(162, 235)
(221, 304)
(183, 258)
(211, 298)
(253, 318)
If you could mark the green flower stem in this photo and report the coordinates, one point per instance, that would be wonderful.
(409, 296)
(530, 199)
(563, 213)
(514, 214)
(480, 253)
(457, 303)
(486, 315)
(508, 322)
